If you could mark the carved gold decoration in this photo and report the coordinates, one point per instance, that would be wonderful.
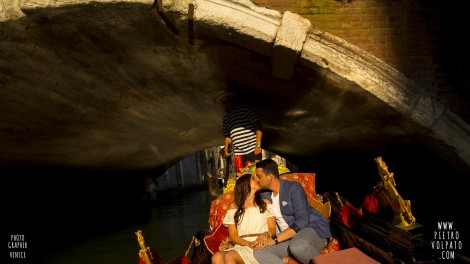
(144, 252)
(401, 208)
(249, 169)
(323, 208)
(197, 242)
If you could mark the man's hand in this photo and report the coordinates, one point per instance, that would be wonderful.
(258, 150)
(262, 241)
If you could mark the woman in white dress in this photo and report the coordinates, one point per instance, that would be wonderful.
(250, 221)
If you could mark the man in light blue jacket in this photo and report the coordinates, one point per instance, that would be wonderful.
(302, 231)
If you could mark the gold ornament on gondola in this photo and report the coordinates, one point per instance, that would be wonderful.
(401, 208)
(144, 252)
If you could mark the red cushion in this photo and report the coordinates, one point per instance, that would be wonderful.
(219, 208)
(215, 237)
(220, 205)
(345, 256)
(307, 180)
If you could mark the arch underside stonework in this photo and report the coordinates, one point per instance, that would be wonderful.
(290, 39)
(358, 98)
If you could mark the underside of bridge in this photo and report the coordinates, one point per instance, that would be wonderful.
(94, 94)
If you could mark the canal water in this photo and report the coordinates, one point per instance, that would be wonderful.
(168, 229)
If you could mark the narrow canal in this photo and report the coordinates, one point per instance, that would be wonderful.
(168, 229)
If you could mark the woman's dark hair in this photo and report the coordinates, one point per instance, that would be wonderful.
(242, 190)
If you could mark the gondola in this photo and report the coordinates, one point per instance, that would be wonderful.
(359, 235)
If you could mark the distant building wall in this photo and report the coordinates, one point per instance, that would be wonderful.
(185, 173)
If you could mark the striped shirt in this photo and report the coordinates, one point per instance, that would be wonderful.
(239, 126)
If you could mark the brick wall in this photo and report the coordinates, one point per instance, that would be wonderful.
(425, 40)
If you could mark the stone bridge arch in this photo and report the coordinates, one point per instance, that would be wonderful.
(290, 39)
(289, 42)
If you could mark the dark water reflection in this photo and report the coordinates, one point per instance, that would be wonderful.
(169, 228)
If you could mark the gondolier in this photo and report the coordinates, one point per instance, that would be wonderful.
(242, 130)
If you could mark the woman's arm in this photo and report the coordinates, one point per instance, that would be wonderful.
(233, 233)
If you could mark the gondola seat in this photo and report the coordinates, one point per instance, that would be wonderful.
(221, 204)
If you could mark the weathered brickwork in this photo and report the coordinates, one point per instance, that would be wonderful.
(425, 40)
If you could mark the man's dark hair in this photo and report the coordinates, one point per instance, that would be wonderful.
(268, 166)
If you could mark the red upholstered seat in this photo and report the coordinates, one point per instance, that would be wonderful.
(220, 206)
(345, 256)
(307, 180)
